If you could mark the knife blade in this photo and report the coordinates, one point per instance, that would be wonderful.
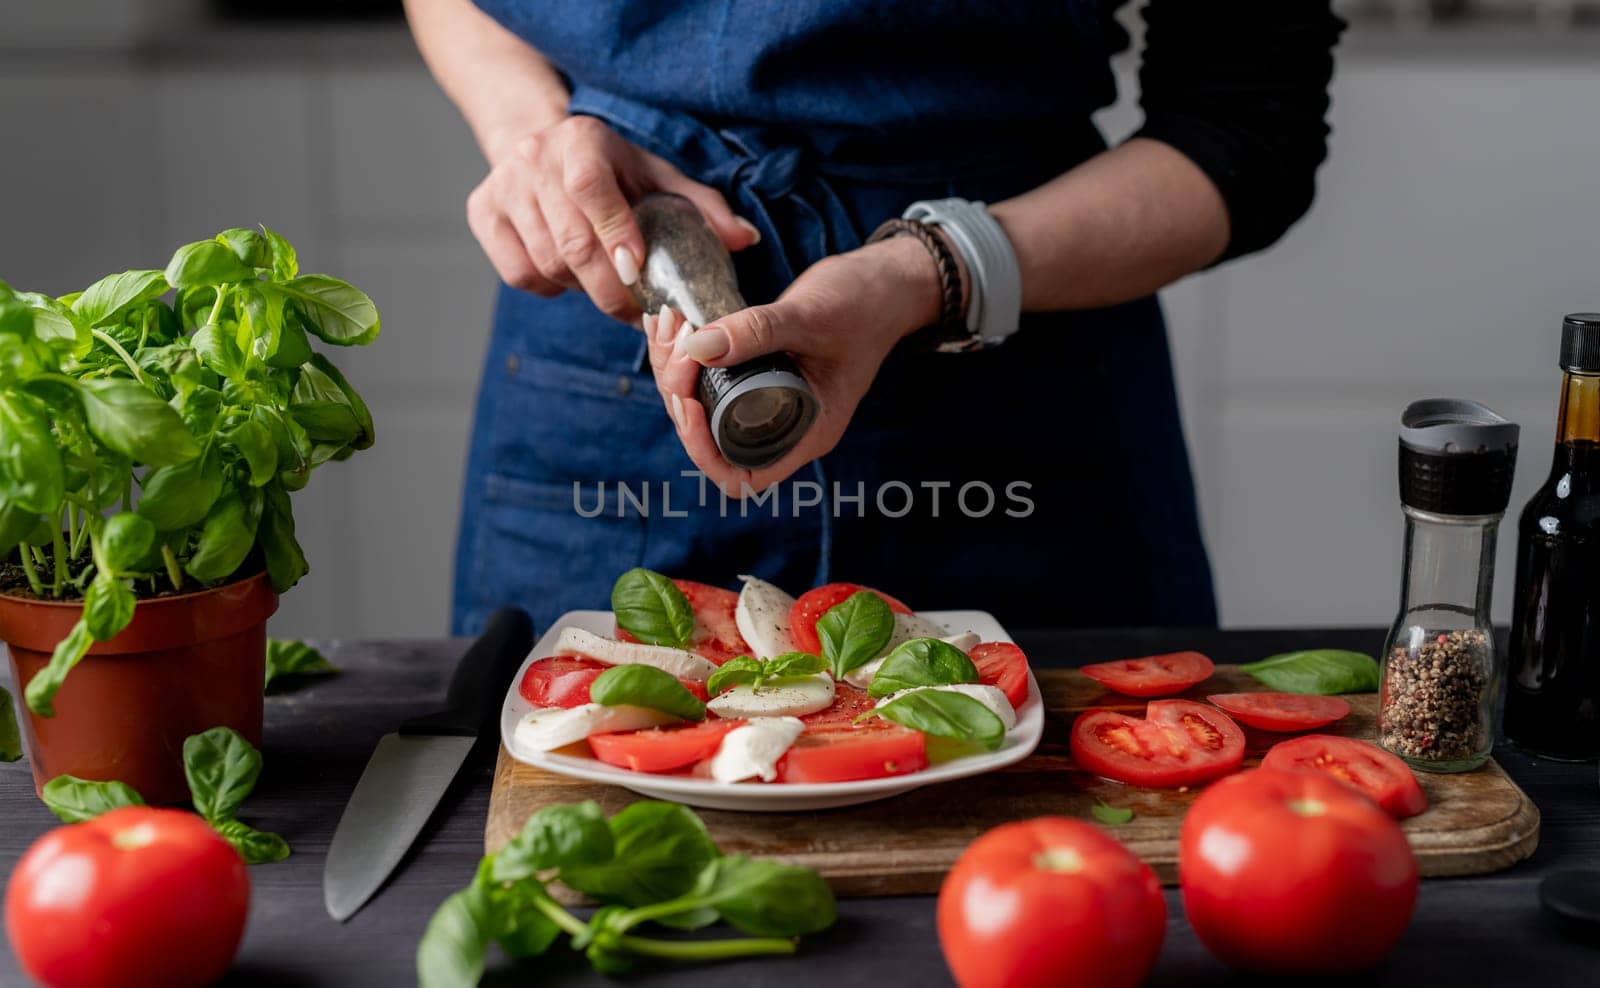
(411, 769)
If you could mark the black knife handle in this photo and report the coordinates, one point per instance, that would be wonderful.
(478, 686)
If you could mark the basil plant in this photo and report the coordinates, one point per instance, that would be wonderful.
(153, 426)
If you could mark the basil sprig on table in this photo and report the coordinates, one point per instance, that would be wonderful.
(922, 662)
(1110, 815)
(752, 672)
(946, 715)
(1317, 671)
(10, 739)
(651, 608)
(646, 686)
(652, 862)
(295, 658)
(854, 631)
(221, 768)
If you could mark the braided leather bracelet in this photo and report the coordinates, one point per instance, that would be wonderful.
(950, 333)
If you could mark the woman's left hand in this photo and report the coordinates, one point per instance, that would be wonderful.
(838, 320)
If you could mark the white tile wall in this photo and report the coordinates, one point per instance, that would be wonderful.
(1455, 226)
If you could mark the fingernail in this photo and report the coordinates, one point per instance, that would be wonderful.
(677, 412)
(708, 344)
(665, 325)
(647, 322)
(627, 267)
(755, 234)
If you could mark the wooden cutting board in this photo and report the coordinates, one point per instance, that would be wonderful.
(1476, 822)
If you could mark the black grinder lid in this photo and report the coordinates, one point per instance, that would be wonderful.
(1580, 343)
(1457, 457)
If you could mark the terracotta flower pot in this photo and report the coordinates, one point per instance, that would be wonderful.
(185, 664)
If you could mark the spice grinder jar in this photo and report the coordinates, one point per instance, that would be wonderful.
(1442, 671)
(758, 410)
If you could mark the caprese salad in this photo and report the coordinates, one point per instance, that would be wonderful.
(842, 684)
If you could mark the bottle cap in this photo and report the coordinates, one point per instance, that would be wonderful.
(1457, 457)
(1580, 343)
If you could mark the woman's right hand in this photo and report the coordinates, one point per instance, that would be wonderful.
(554, 212)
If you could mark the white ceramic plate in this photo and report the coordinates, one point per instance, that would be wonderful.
(772, 797)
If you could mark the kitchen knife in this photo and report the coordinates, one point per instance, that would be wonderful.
(411, 769)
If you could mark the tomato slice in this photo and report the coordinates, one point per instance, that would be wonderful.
(1002, 664)
(716, 631)
(1177, 743)
(1153, 675)
(845, 755)
(1285, 712)
(564, 681)
(661, 749)
(1364, 767)
(818, 601)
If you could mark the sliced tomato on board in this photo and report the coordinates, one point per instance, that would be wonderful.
(814, 603)
(716, 631)
(1367, 768)
(1002, 664)
(1153, 675)
(1176, 743)
(661, 749)
(1283, 712)
(846, 755)
(564, 681)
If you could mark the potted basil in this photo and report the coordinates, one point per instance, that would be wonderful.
(152, 429)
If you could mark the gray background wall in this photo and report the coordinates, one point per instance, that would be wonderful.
(1457, 221)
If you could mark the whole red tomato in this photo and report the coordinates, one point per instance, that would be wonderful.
(1293, 873)
(136, 897)
(1052, 902)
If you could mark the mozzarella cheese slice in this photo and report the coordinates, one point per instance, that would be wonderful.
(990, 696)
(549, 728)
(763, 618)
(861, 676)
(684, 665)
(752, 751)
(790, 699)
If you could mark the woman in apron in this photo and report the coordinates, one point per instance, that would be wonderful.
(1044, 479)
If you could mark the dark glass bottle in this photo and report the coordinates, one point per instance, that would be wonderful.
(1553, 688)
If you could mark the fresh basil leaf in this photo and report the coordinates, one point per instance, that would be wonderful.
(295, 658)
(248, 246)
(854, 631)
(75, 800)
(225, 540)
(107, 606)
(69, 651)
(792, 664)
(207, 262)
(106, 299)
(123, 540)
(255, 846)
(17, 525)
(520, 928)
(286, 561)
(922, 662)
(253, 441)
(217, 350)
(646, 686)
(367, 432)
(334, 311)
(452, 950)
(766, 898)
(285, 263)
(10, 738)
(661, 848)
(319, 405)
(560, 836)
(651, 608)
(56, 325)
(32, 475)
(222, 768)
(181, 495)
(946, 715)
(1317, 671)
(136, 422)
(741, 671)
(1111, 815)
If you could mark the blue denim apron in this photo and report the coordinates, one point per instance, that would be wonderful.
(1045, 481)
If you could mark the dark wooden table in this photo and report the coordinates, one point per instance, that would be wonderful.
(1467, 931)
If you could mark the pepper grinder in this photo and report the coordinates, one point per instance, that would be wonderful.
(758, 410)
